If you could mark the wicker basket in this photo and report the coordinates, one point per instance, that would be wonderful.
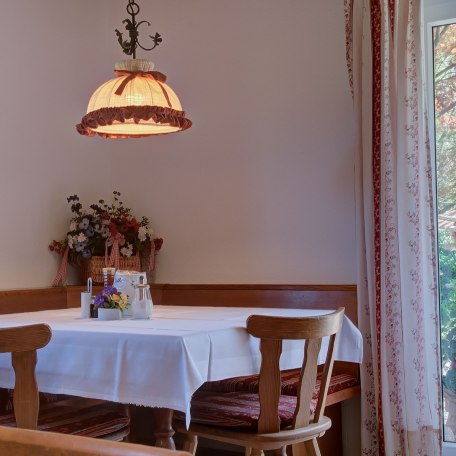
(94, 267)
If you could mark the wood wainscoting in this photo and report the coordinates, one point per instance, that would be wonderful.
(286, 296)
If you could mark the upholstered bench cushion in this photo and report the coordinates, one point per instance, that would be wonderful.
(45, 398)
(95, 419)
(236, 410)
(289, 382)
(49, 398)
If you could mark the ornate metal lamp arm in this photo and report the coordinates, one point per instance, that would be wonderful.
(129, 46)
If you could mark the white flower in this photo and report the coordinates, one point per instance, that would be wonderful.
(81, 237)
(142, 233)
(73, 226)
(127, 251)
(106, 232)
(70, 241)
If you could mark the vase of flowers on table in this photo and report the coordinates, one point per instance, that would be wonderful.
(105, 235)
(110, 303)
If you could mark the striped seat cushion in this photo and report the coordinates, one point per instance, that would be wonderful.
(289, 382)
(235, 410)
(94, 419)
(45, 398)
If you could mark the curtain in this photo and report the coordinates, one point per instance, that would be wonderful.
(397, 270)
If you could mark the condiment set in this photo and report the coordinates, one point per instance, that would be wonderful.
(132, 283)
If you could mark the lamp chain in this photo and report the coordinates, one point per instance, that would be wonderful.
(129, 46)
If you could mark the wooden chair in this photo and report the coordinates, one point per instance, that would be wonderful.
(20, 442)
(72, 415)
(23, 342)
(271, 421)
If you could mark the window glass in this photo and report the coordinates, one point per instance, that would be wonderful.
(444, 75)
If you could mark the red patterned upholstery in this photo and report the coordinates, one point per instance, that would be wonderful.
(95, 419)
(48, 398)
(45, 398)
(290, 380)
(236, 410)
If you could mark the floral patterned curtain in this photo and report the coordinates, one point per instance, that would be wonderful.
(397, 282)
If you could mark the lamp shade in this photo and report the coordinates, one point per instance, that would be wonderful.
(136, 103)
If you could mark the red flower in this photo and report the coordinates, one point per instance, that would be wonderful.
(113, 228)
(158, 242)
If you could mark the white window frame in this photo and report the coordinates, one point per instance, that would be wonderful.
(449, 448)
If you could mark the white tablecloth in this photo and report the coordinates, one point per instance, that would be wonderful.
(159, 362)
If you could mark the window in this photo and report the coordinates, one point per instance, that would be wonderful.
(444, 82)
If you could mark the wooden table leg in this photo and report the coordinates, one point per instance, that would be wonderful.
(163, 430)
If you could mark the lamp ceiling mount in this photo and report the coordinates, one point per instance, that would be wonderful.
(129, 46)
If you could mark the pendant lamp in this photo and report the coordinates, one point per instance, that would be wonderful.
(137, 102)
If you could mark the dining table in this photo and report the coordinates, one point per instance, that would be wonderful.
(158, 362)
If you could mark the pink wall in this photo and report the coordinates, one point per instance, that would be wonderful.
(49, 66)
(260, 190)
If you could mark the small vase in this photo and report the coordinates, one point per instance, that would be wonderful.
(108, 314)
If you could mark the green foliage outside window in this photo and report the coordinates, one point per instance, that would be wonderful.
(445, 131)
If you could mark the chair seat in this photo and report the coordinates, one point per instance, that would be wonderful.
(88, 418)
(236, 410)
(289, 384)
(45, 398)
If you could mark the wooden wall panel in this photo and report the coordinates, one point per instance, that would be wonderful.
(15, 301)
(286, 296)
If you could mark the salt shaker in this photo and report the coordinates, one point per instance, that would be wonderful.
(86, 300)
(142, 302)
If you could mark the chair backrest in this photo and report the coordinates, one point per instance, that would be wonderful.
(23, 342)
(23, 442)
(272, 331)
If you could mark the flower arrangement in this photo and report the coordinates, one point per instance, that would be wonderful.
(111, 298)
(108, 230)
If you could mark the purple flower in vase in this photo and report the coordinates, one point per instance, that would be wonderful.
(99, 299)
(104, 298)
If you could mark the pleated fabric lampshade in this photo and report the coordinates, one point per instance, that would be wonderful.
(136, 103)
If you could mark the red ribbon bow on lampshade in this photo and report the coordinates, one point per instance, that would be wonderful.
(155, 75)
